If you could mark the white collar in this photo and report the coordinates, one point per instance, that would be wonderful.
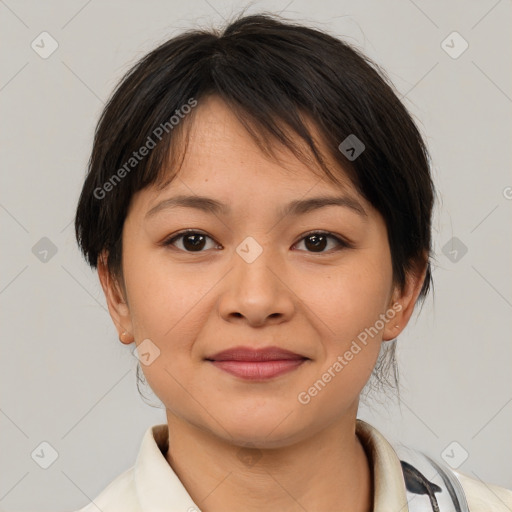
(159, 489)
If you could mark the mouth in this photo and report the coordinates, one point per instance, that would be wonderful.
(257, 364)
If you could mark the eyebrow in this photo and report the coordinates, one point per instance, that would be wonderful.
(294, 208)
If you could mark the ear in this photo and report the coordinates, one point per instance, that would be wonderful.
(403, 301)
(116, 301)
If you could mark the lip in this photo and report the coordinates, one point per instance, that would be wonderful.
(257, 364)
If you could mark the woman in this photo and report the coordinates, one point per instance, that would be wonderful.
(258, 207)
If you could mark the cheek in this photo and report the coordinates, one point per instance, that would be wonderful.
(351, 306)
(163, 296)
(349, 298)
(165, 303)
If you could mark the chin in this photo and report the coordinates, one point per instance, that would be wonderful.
(260, 430)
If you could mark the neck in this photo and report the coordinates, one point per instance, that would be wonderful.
(327, 471)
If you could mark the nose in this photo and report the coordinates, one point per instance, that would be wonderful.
(256, 290)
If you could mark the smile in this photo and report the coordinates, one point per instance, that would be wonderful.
(258, 370)
(257, 364)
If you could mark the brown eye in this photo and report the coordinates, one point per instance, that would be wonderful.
(191, 241)
(194, 241)
(317, 241)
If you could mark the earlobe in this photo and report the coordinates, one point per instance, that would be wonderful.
(403, 302)
(126, 338)
(393, 325)
(116, 302)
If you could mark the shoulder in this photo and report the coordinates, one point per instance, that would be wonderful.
(483, 497)
(429, 483)
(120, 494)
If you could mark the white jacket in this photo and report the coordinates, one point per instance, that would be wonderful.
(151, 485)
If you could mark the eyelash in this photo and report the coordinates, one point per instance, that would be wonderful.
(342, 243)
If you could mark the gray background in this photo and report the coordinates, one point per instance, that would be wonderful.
(67, 380)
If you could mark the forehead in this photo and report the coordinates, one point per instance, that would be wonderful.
(217, 133)
(223, 160)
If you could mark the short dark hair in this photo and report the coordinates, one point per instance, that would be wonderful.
(273, 74)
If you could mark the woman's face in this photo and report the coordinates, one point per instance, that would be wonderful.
(255, 279)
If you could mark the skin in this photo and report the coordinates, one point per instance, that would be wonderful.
(193, 304)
